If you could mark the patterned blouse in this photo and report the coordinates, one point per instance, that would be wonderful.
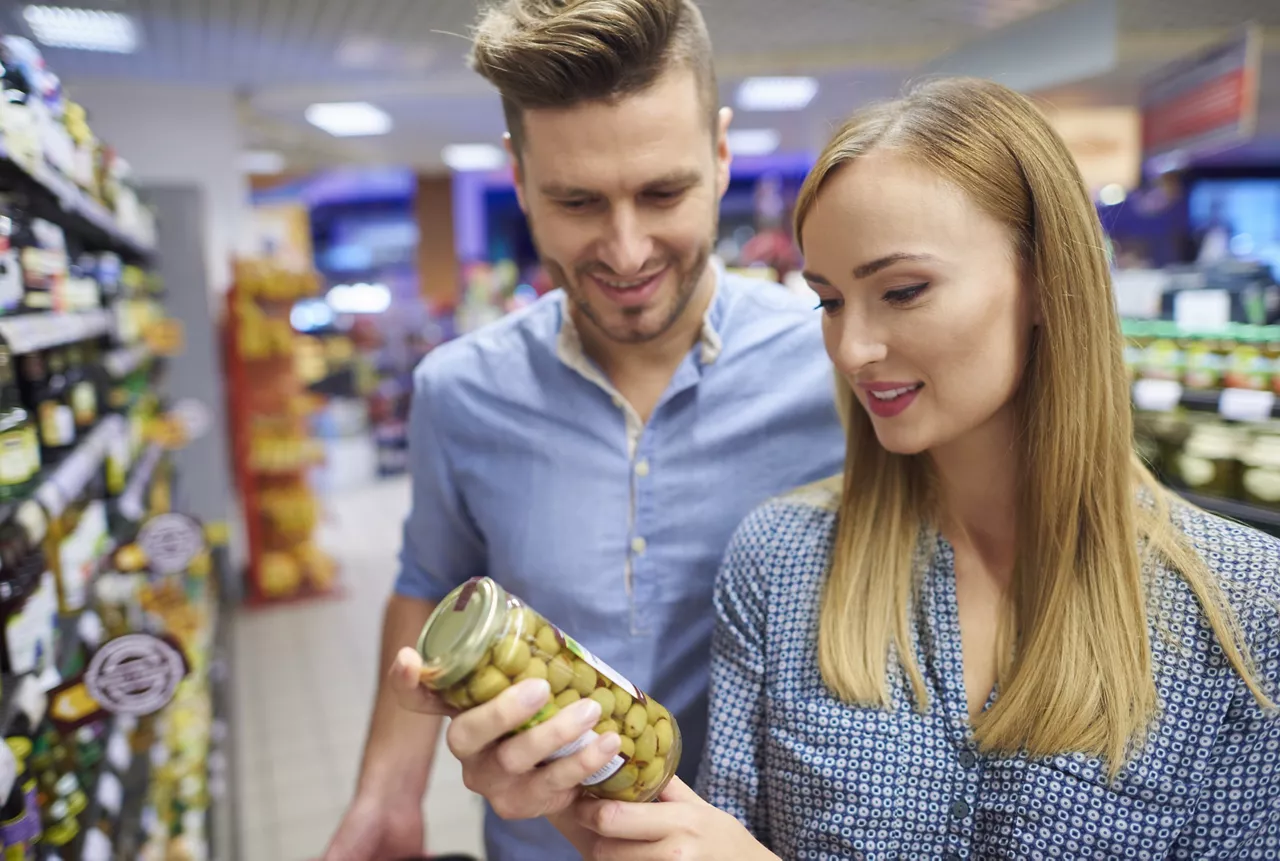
(814, 778)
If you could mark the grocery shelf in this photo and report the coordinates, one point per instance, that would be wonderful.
(1232, 404)
(132, 503)
(1243, 511)
(27, 333)
(77, 469)
(125, 360)
(76, 209)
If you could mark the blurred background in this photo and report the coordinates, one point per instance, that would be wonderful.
(229, 229)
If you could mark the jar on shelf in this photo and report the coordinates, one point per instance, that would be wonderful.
(1261, 469)
(481, 640)
(1209, 462)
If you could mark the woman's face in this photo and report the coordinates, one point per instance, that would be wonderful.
(925, 311)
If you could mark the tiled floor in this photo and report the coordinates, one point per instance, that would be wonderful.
(305, 678)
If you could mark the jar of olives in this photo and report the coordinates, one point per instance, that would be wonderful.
(481, 640)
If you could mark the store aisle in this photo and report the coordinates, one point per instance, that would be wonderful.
(305, 678)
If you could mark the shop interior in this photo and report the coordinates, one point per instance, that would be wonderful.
(230, 230)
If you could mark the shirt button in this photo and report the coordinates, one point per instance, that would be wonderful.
(642, 468)
(967, 759)
(960, 810)
(617, 402)
(638, 545)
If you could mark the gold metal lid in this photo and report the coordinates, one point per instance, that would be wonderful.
(456, 636)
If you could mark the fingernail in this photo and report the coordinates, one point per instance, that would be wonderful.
(586, 711)
(535, 692)
(609, 743)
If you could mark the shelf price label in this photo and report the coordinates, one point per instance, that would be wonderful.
(1157, 396)
(1245, 405)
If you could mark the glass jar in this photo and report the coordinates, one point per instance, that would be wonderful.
(1261, 479)
(1209, 461)
(481, 640)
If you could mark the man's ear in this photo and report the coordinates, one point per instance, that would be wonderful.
(517, 171)
(724, 156)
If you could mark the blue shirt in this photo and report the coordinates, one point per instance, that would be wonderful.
(529, 467)
(814, 778)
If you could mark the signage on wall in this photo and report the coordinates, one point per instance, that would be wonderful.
(1204, 102)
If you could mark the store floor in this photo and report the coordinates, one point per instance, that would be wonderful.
(305, 678)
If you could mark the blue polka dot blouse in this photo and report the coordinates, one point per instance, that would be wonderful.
(814, 778)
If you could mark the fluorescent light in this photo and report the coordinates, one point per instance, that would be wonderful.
(474, 157)
(82, 29)
(261, 162)
(1112, 194)
(359, 298)
(776, 94)
(753, 141)
(349, 119)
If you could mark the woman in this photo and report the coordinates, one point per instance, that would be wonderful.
(997, 637)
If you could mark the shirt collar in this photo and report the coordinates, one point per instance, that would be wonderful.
(569, 347)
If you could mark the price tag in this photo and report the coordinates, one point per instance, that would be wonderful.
(118, 752)
(1245, 405)
(110, 793)
(1202, 310)
(171, 541)
(1157, 396)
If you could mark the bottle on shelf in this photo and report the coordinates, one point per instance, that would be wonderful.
(82, 392)
(11, 289)
(48, 397)
(19, 444)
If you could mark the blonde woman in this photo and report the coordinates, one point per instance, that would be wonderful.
(997, 636)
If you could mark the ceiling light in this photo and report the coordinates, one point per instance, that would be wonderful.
(463, 157)
(359, 298)
(261, 162)
(82, 29)
(349, 119)
(747, 142)
(776, 94)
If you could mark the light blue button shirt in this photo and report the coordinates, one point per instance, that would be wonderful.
(529, 467)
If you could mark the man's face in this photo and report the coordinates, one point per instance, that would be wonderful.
(623, 199)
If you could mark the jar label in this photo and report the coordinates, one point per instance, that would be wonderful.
(601, 667)
(57, 424)
(15, 457)
(589, 737)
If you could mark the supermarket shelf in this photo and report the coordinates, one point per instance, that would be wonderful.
(125, 360)
(132, 504)
(77, 210)
(70, 477)
(1242, 511)
(1231, 404)
(26, 333)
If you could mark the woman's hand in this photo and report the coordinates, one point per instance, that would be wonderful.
(681, 825)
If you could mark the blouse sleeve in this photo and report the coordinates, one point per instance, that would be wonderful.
(1238, 815)
(730, 774)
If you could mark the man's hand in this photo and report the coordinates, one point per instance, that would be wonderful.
(378, 830)
(507, 771)
(681, 825)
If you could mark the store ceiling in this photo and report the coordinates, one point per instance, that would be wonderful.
(407, 56)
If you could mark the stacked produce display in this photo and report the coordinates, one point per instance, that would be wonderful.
(272, 442)
(84, 481)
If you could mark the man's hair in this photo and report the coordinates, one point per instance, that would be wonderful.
(561, 53)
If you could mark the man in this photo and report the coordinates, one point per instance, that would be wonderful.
(595, 452)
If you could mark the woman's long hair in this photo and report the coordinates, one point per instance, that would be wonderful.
(1076, 669)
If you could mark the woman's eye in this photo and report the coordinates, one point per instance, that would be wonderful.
(904, 295)
(830, 306)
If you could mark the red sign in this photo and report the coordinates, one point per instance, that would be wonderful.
(1204, 102)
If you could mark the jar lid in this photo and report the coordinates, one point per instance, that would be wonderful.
(456, 636)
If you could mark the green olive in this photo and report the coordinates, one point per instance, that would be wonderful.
(458, 697)
(537, 669)
(567, 697)
(604, 696)
(487, 684)
(647, 745)
(628, 748)
(653, 774)
(547, 642)
(625, 778)
(630, 794)
(544, 714)
(584, 678)
(635, 721)
(559, 673)
(606, 726)
(622, 701)
(511, 655)
(526, 623)
(665, 735)
(654, 711)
